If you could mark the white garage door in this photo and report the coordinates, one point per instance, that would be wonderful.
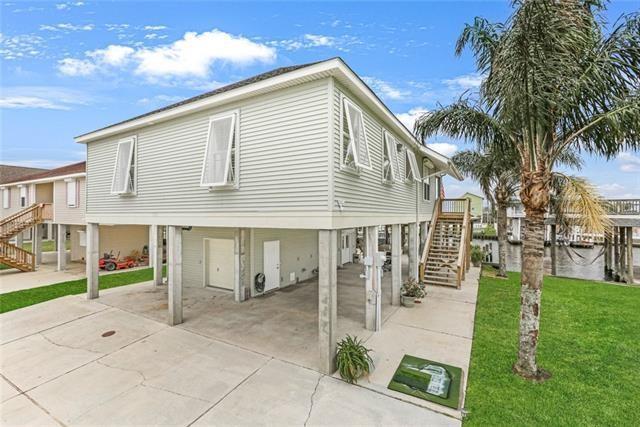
(219, 263)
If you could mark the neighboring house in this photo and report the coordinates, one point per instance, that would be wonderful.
(11, 173)
(62, 193)
(476, 205)
(270, 175)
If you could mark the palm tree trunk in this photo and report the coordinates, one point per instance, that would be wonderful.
(530, 296)
(502, 239)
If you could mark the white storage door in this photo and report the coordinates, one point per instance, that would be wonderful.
(219, 260)
(271, 265)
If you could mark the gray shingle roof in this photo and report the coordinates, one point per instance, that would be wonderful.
(10, 173)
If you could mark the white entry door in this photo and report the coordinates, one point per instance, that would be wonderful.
(346, 249)
(219, 260)
(271, 265)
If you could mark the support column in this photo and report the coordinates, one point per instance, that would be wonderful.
(423, 236)
(339, 248)
(240, 266)
(553, 249)
(623, 255)
(396, 263)
(61, 241)
(92, 256)
(607, 256)
(616, 254)
(155, 253)
(20, 239)
(36, 243)
(174, 273)
(629, 278)
(327, 299)
(373, 288)
(413, 250)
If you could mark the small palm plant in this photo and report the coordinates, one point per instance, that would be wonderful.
(353, 359)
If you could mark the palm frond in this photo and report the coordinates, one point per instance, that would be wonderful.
(577, 203)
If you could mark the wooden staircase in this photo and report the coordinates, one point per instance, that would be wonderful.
(446, 255)
(12, 255)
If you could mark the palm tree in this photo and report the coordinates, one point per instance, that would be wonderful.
(496, 172)
(556, 82)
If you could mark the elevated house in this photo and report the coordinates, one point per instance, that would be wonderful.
(50, 205)
(260, 184)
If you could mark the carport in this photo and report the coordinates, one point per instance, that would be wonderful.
(282, 324)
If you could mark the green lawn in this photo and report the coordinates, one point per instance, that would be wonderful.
(589, 341)
(19, 299)
(47, 245)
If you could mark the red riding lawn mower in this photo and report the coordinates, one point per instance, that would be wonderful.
(110, 263)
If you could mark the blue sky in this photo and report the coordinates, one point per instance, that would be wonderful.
(71, 67)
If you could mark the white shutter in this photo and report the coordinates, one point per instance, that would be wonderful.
(123, 173)
(23, 196)
(357, 134)
(6, 197)
(392, 153)
(217, 168)
(412, 168)
(72, 193)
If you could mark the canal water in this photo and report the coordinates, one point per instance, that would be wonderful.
(565, 265)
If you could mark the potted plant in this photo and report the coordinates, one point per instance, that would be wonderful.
(412, 292)
(353, 359)
(476, 255)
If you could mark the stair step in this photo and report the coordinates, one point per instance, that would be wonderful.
(429, 281)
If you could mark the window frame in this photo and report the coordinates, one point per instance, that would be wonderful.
(426, 179)
(233, 152)
(6, 198)
(390, 142)
(411, 165)
(75, 186)
(132, 166)
(356, 154)
(22, 188)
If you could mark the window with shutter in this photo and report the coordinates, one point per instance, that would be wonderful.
(427, 170)
(124, 174)
(390, 164)
(412, 172)
(355, 149)
(72, 193)
(6, 198)
(219, 166)
(23, 196)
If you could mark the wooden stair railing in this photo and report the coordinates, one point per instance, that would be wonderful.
(28, 217)
(449, 214)
(16, 257)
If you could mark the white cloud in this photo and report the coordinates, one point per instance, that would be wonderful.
(193, 56)
(155, 36)
(464, 82)
(77, 67)
(409, 118)
(615, 190)
(117, 27)
(154, 27)
(629, 162)
(41, 97)
(308, 41)
(318, 40)
(69, 5)
(160, 100)
(21, 46)
(444, 148)
(67, 27)
(385, 89)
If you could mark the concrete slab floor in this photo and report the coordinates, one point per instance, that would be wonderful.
(282, 324)
(146, 373)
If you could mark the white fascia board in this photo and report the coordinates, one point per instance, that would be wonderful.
(46, 180)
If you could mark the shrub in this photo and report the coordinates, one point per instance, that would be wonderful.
(353, 359)
(413, 289)
(476, 255)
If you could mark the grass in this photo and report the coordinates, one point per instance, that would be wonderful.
(47, 245)
(26, 297)
(589, 341)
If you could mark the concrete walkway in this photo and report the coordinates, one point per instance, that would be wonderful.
(61, 365)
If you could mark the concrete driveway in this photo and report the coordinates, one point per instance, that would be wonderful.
(76, 362)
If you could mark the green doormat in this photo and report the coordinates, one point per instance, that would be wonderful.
(428, 380)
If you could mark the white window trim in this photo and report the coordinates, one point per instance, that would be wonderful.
(426, 179)
(132, 152)
(391, 143)
(6, 198)
(236, 127)
(76, 198)
(412, 166)
(358, 165)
